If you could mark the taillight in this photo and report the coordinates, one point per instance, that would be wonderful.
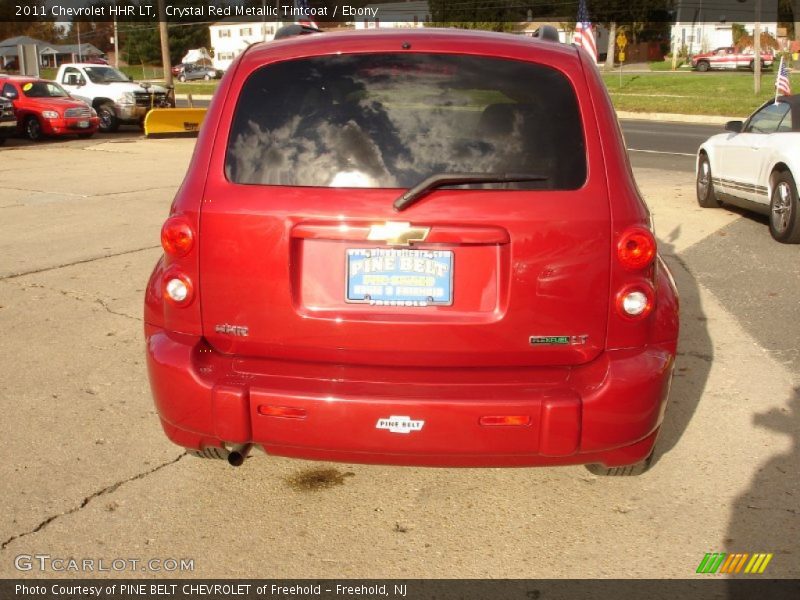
(636, 248)
(177, 237)
(635, 301)
(178, 289)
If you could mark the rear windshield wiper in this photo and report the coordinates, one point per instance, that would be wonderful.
(441, 179)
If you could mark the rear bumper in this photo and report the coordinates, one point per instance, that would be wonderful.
(607, 411)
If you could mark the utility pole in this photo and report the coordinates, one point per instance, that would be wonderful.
(80, 55)
(757, 50)
(162, 26)
(116, 44)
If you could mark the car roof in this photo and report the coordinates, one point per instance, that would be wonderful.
(26, 79)
(84, 64)
(381, 40)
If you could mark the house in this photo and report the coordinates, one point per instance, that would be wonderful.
(50, 55)
(700, 27)
(230, 38)
(407, 15)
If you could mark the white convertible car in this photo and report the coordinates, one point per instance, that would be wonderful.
(754, 165)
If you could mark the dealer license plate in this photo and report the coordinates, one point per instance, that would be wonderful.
(399, 277)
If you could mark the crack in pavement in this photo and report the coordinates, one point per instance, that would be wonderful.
(71, 194)
(77, 262)
(80, 297)
(106, 490)
(102, 303)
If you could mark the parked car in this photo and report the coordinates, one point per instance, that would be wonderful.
(755, 165)
(44, 108)
(729, 58)
(412, 247)
(115, 97)
(191, 72)
(8, 121)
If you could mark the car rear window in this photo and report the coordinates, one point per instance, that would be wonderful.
(392, 120)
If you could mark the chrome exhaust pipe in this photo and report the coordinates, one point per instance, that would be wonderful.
(238, 454)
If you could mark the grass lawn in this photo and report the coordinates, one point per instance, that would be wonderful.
(729, 94)
(196, 88)
(664, 65)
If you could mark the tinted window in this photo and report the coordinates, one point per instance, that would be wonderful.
(768, 118)
(786, 123)
(393, 120)
(43, 89)
(104, 74)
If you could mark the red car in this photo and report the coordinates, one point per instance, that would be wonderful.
(415, 248)
(44, 108)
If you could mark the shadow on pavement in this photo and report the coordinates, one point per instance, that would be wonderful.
(695, 352)
(764, 519)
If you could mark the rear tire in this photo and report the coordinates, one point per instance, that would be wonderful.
(33, 129)
(207, 77)
(705, 184)
(628, 471)
(752, 65)
(784, 222)
(703, 66)
(108, 118)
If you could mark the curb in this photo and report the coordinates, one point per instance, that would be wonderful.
(194, 96)
(676, 118)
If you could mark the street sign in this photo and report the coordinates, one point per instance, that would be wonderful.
(622, 41)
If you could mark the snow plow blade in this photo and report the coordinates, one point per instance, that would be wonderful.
(170, 122)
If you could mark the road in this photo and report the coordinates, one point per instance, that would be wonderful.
(661, 145)
(89, 474)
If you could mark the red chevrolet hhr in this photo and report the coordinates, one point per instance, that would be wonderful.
(416, 248)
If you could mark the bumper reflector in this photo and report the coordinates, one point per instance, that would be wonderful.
(287, 412)
(506, 421)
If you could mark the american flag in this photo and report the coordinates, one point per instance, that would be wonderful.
(308, 21)
(782, 84)
(584, 36)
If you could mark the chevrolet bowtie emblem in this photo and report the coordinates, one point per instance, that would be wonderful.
(396, 233)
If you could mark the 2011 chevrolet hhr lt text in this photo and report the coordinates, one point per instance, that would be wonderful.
(413, 248)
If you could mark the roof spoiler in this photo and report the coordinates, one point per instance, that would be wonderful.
(295, 29)
(547, 33)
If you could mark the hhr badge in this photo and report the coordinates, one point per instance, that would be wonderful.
(558, 340)
(237, 330)
(399, 424)
(396, 233)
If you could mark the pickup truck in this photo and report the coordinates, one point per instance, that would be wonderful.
(729, 58)
(8, 121)
(115, 97)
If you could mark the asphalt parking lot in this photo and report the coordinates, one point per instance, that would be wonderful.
(89, 474)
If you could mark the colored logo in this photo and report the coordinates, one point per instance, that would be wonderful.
(722, 562)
